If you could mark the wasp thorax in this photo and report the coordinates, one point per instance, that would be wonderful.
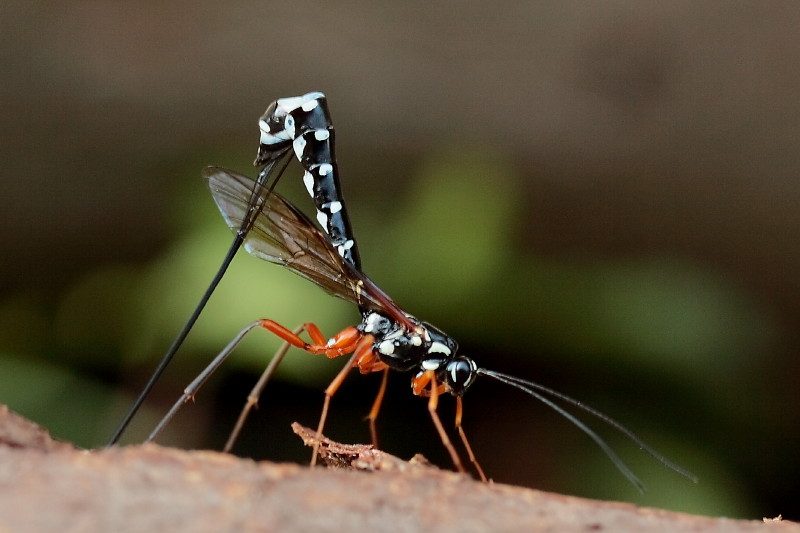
(403, 348)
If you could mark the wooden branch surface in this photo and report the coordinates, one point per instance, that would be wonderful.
(48, 486)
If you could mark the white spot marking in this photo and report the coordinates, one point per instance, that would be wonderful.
(386, 347)
(438, 347)
(396, 334)
(268, 138)
(299, 145)
(369, 323)
(416, 341)
(322, 135)
(333, 207)
(308, 179)
(430, 365)
(322, 218)
(309, 105)
(288, 126)
(290, 104)
(325, 169)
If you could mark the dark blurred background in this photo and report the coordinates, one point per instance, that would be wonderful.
(601, 197)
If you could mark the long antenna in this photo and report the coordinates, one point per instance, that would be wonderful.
(529, 386)
(260, 191)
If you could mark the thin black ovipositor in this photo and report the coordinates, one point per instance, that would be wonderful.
(301, 124)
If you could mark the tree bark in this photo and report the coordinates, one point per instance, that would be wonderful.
(51, 486)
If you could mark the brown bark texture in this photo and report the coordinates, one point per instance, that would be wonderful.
(51, 486)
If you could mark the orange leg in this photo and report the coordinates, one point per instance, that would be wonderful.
(363, 349)
(459, 411)
(343, 343)
(290, 338)
(347, 341)
(376, 407)
(419, 383)
(350, 340)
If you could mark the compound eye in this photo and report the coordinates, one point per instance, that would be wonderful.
(461, 372)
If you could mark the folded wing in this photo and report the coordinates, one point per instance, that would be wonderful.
(283, 235)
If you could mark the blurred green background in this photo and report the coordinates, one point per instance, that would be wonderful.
(600, 197)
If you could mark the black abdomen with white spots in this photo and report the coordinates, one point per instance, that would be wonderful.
(305, 123)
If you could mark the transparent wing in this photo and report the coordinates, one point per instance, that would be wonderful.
(283, 235)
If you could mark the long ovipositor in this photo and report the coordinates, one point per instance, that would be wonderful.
(302, 125)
